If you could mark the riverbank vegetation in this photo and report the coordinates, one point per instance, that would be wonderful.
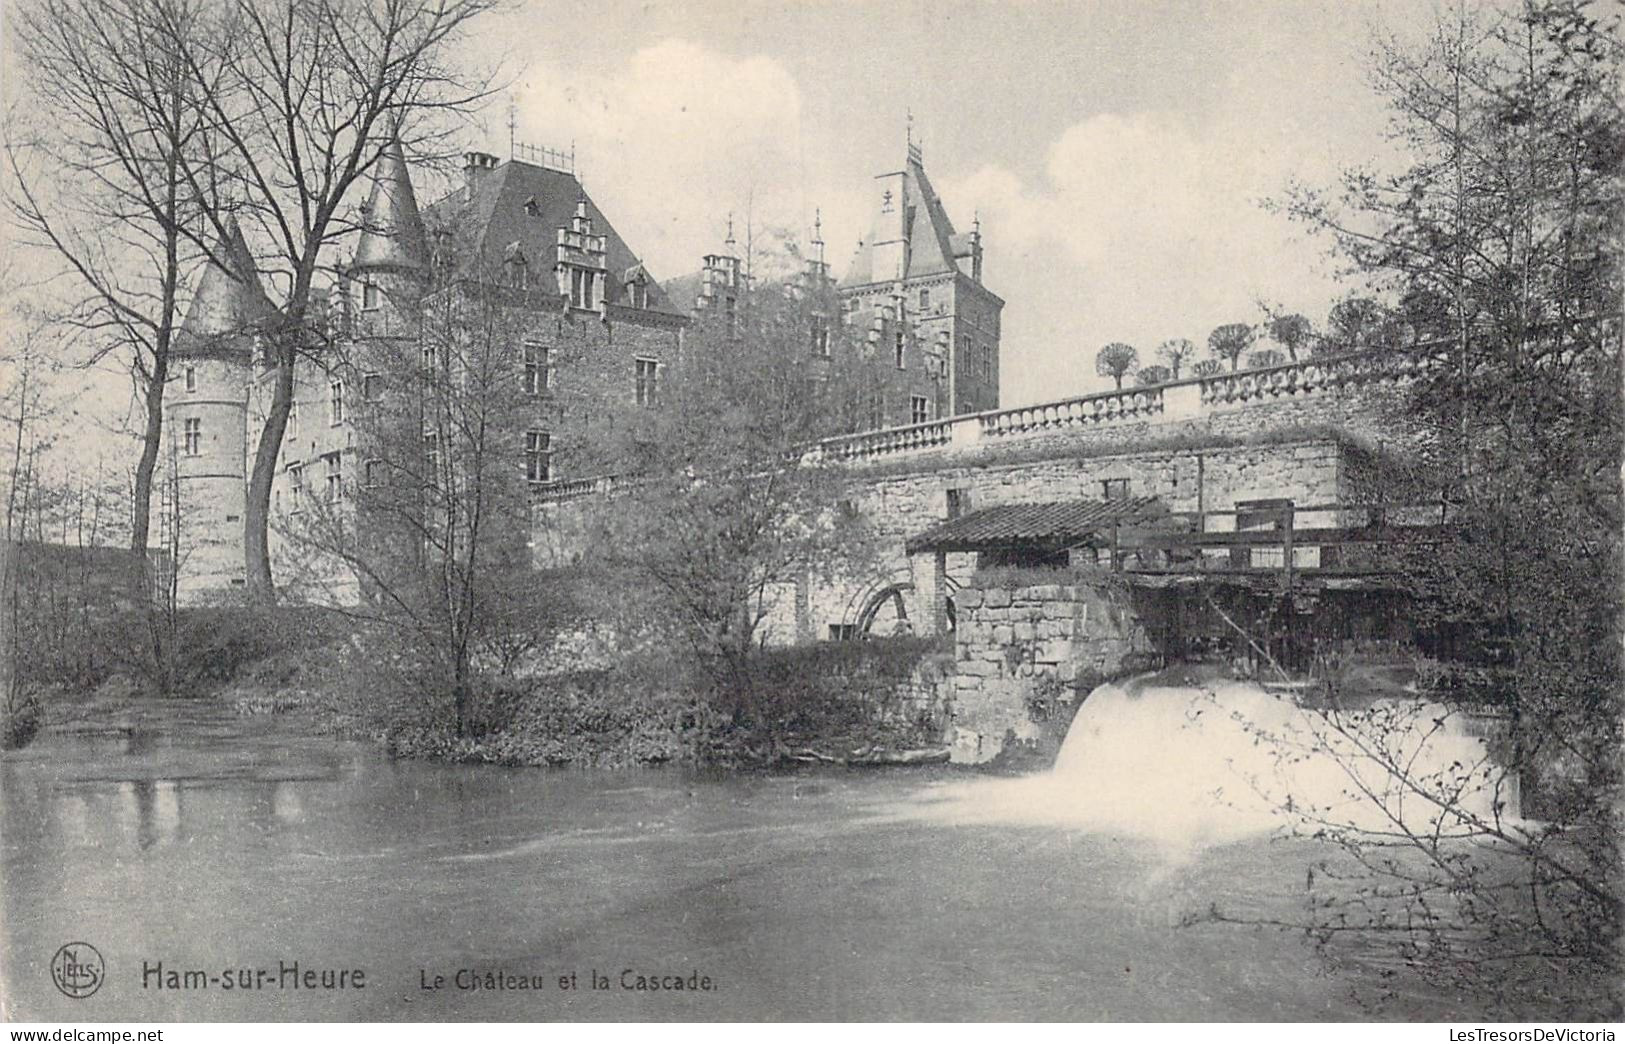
(1496, 245)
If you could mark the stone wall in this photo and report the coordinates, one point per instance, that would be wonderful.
(899, 505)
(1019, 648)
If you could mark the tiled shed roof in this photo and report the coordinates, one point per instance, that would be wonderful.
(1050, 526)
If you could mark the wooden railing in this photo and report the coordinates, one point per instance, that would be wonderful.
(1270, 538)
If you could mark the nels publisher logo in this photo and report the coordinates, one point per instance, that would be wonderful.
(77, 970)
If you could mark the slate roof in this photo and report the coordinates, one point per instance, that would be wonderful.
(497, 217)
(1050, 526)
(931, 234)
(226, 304)
(392, 234)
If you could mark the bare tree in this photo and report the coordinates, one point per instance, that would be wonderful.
(1229, 342)
(1175, 353)
(102, 183)
(1153, 375)
(301, 98)
(1116, 360)
(1291, 332)
(724, 518)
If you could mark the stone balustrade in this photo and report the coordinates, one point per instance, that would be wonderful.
(1304, 377)
(1183, 400)
(1178, 400)
(571, 489)
(1082, 411)
(887, 441)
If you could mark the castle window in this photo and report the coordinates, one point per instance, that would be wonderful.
(431, 457)
(192, 437)
(518, 274)
(957, 499)
(336, 402)
(372, 387)
(431, 359)
(369, 297)
(1114, 489)
(925, 299)
(372, 473)
(581, 289)
(335, 477)
(902, 340)
(877, 409)
(292, 427)
(296, 486)
(919, 409)
(538, 456)
(647, 377)
(538, 376)
(820, 337)
(191, 378)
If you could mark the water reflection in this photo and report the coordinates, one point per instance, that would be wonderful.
(203, 840)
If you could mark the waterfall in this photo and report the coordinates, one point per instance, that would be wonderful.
(1187, 766)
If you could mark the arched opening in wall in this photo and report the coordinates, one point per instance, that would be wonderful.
(884, 611)
(885, 614)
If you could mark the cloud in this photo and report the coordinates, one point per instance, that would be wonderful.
(1141, 228)
(676, 138)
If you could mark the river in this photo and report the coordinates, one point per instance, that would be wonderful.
(177, 837)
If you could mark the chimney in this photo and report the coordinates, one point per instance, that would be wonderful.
(475, 166)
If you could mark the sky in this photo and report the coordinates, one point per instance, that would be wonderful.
(1119, 154)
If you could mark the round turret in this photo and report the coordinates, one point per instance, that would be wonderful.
(205, 414)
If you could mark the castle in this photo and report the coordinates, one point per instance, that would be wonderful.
(599, 333)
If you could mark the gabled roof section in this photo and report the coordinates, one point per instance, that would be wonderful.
(525, 204)
(1050, 526)
(229, 301)
(392, 234)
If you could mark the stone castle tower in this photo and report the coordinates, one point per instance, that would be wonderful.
(390, 271)
(916, 284)
(206, 415)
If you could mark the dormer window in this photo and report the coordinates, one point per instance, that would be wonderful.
(638, 294)
(581, 288)
(370, 297)
(532, 208)
(516, 267)
(820, 337)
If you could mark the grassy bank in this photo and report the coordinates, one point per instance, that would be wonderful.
(826, 702)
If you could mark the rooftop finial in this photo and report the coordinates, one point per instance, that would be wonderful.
(729, 242)
(818, 234)
(513, 125)
(914, 153)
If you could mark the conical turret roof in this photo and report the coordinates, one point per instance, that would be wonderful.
(392, 233)
(229, 301)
